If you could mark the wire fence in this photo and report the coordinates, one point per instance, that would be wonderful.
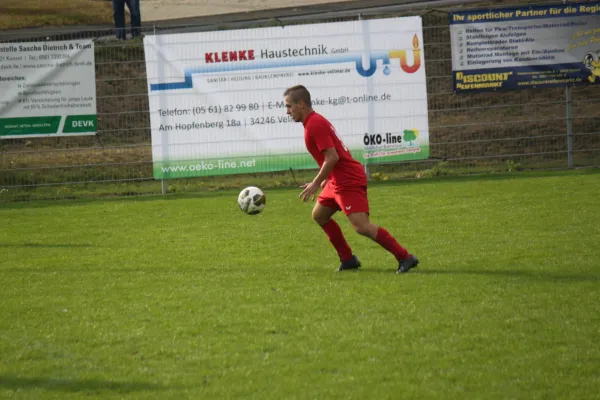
(531, 129)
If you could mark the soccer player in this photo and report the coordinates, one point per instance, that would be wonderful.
(343, 182)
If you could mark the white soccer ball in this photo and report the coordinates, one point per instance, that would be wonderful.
(252, 200)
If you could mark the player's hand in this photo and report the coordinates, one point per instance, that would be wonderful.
(310, 189)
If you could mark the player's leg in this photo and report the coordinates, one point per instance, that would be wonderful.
(356, 207)
(324, 209)
(362, 225)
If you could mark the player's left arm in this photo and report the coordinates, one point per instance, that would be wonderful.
(331, 158)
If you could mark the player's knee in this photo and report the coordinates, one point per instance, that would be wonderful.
(362, 229)
(319, 218)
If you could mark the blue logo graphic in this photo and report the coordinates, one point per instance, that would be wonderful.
(356, 58)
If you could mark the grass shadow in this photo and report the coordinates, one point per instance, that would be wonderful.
(490, 176)
(65, 202)
(68, 385)
(44, 245)
(511, 274)
(27, 12)
(211, 193)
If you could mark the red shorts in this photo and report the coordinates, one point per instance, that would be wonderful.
(348, 200)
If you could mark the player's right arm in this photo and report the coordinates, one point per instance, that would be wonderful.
(331, 158)
(310, 189)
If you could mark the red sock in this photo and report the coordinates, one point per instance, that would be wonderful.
(336, 237)
(388, 242)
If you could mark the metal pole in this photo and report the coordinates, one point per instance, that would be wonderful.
(569, 91)
(163, 182)
(367, 49)
(164, 140)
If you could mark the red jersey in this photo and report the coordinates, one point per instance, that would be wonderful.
(319, 134)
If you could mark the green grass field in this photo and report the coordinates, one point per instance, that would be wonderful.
(187, 297)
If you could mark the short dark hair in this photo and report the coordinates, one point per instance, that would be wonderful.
(298, 93)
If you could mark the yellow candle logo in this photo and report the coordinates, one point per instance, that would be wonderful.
(401, 54)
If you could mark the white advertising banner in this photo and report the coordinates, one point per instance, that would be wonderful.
(47, 89)
(217, 106)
